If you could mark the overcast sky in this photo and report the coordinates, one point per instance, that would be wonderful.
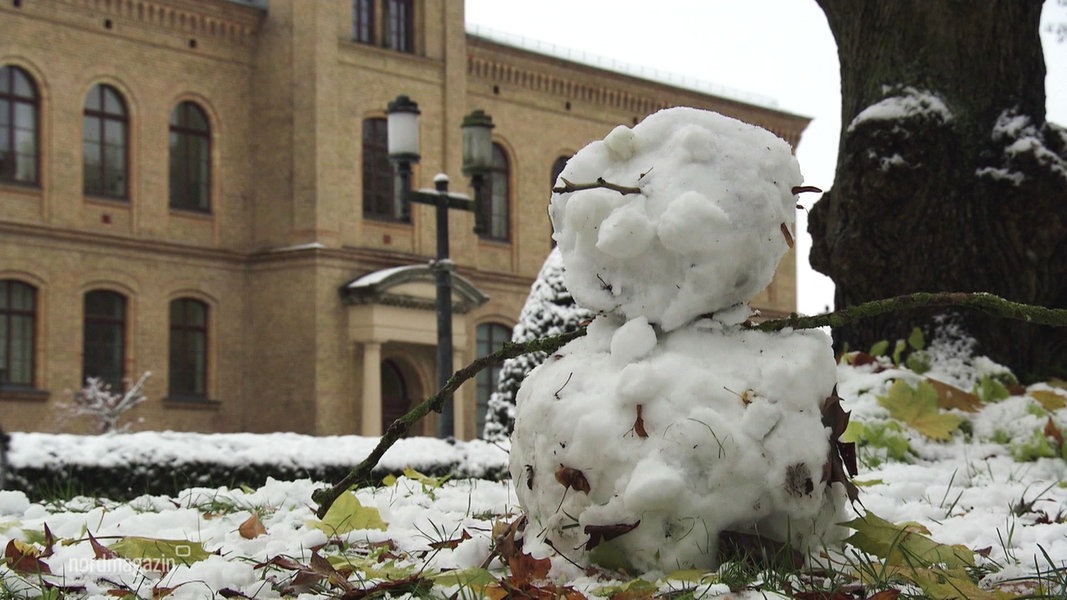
(780, 51)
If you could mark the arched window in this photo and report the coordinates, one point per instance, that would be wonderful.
(19, 133)
(496, 198)
(18, 333)
(190, 158)
(490, 338)
(104, 340)
(557, 167)
(380, 200)
(188, 348)
(104, 143)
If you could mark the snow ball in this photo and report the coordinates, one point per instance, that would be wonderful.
(686, 438)
(620, 142)
(13, 502)
(695, 225)
(632, 341)
(625, 233)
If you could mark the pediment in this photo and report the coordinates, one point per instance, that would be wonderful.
(410, 286)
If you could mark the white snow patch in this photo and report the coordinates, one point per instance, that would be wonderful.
(907, 103)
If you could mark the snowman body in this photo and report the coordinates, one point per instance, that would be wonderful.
(670, 422)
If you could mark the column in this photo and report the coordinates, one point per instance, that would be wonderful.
(371, 411)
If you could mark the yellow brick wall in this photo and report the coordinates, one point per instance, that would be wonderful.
(286, 92)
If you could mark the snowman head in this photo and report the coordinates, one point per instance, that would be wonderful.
(701, 214)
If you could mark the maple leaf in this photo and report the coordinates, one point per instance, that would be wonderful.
(572, 478)
(918, 408)
(904, 544)
(1053, 432)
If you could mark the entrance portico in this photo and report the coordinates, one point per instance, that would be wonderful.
(392, 318)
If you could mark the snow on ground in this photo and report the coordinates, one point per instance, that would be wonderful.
(981, 490)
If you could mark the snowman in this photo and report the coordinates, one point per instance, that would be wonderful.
(671, 424)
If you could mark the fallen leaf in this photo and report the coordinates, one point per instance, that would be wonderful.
(639, 424)
(452, 543)
(526, 570)
(1051, 431)
(572, 478)
(885, 595)
(252, 527)
(24, 558)
(841, 458)
(99, 550)
(603, 533)
(918, 408)
(950, 396)
(904, 544)
(1050, 400)
(346, 514)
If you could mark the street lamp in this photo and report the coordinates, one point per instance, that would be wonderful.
(403, 133)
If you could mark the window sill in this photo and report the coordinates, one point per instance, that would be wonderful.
(16, 187)
(23, 394)
(389, 221)
(494, 241)
(203, 215)
(191, 402)
(109, 200)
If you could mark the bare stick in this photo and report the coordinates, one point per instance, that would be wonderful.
(361, 473)
(981, 301)
(599, 183)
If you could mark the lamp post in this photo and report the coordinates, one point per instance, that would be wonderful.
(403, 133)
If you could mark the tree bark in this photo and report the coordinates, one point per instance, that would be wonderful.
(965, 198)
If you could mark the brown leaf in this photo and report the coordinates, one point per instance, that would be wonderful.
(504, 534)
(800, 189)
(280, 561)
(602, 533)
(885, 595)
(639, 424)
(950, 396)
(525, 569)
(788, 236)
(24, 559)
(1051, 431)
(49, 542)
(451, 544)
(572, 478)
(841, 457)
(322, 567)
(101, 551)
(252, 527)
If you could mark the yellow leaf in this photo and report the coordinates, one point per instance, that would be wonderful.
(1050, 400)
(918, 408)
(904, 544)
(171, 552)
(347, 514)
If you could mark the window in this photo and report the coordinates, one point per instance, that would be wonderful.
(188, 348)
(557, 168)
(490, 338)
(400, 24)
(104, 340)
(386, 23)
(494, 200)
(190, 158)
(380, 199)
(104, 143)
(363, 21)
(18, 126)
(18, 333)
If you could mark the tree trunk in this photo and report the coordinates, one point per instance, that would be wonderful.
(948, 176)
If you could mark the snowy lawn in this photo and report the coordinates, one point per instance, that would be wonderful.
(991, 497)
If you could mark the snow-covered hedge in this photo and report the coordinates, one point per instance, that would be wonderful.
(123, 466)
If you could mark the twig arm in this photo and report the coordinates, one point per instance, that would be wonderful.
(361, 473)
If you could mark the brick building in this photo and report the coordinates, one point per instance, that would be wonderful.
(200, 189)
